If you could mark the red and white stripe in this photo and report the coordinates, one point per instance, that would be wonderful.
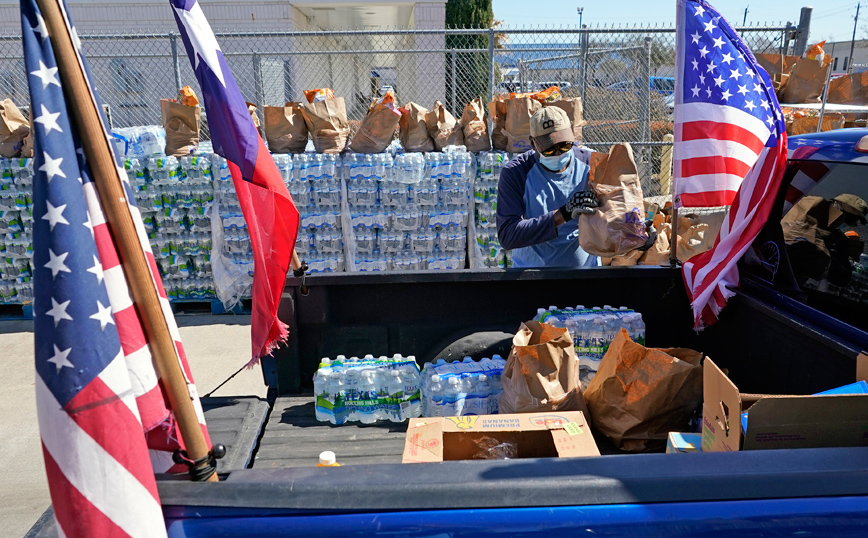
(709, 275)
(101, 483)
(156, 418)
(715, 147)
(808, 175)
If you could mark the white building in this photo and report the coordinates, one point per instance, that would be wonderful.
(840, 53)
(133, 74)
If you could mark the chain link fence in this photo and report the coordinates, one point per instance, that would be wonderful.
(625, 76)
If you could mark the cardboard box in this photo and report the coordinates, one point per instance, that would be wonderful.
(818, 421)
(682, 443)
(534, 435)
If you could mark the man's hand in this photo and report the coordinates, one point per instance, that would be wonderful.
(580, 203)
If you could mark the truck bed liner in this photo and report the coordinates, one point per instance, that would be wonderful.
(295, 438)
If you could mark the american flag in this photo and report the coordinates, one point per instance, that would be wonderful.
(806, 176)
(271, 216)
(730, 146)
(103, 419)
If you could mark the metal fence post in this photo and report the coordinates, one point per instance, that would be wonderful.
(173, 40)
(258, 87)
(645, 93)
(491, 64)
(585, 41)
(454, 106)
(644, 162)
(803, 30)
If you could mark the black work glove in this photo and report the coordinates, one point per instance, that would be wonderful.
(580, 203)
(652, 235)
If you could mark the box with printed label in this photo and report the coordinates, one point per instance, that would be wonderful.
(776, 421)
(529, 435)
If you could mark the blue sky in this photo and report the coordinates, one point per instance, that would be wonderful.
(831, 20)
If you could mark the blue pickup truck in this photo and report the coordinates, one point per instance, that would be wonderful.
(779, 335)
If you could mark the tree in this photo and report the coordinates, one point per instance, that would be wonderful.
(471, 68)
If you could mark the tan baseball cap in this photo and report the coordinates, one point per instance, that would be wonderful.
(550, 126)
(851, 204)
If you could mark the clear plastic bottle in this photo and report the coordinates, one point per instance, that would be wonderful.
(638, 328)
(435, 397)
(396, 395)
(352, 382)
(483, 393)
(453, 398)
(337, 390)
(321, 386)
(368, 391)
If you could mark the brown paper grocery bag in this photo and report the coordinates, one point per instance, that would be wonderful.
(285, 129)
(376, 130)
(808, 124)
(327, 124)
(542, 372)
(412, 129)
(806, 82)
(475, 127)
(640, 394)
(778, 67)
(776, 64)
(618, 225)
(182, 127)
(517, 126)
(849, 90)
(497, 113)
(573, 108)
(14, 129)
(443, 128)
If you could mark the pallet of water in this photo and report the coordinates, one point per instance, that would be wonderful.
(367, 390)
(593, 330)
(466, 387)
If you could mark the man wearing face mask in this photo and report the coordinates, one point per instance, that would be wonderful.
(542, 192)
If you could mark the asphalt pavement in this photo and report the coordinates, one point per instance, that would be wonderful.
(216, 347)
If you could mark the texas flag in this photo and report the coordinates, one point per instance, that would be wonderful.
(271, 215)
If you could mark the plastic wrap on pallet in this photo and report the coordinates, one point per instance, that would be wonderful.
(231, 259)
(409, 212)
(484, 247)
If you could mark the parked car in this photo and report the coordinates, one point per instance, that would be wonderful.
(661, 85)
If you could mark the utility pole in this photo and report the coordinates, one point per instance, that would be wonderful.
(744, 21)
(853, 40)
(580, 10)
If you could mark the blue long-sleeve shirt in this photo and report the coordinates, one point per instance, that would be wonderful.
(528, 196)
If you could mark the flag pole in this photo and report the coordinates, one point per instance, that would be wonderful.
(113, 197)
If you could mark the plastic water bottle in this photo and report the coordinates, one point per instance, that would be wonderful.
(638, 326)
(352, 384)
(453, 398)
(321, 385)
(397, 395)
(368, 392)
(412, 384)
(338, 394)
(435, 400)
(483, 392)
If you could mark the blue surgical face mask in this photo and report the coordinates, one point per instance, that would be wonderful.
(555, 162)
